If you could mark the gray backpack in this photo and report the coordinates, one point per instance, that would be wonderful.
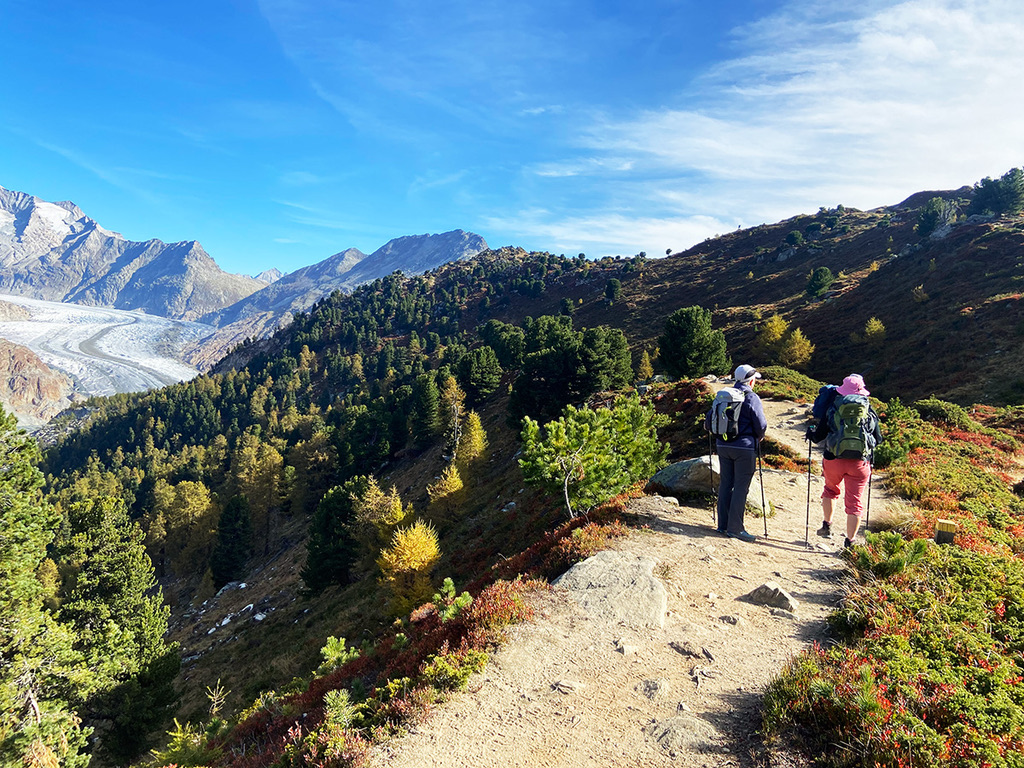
(724, 417)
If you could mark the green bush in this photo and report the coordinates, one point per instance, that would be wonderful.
(933, 672)
(786, 383)
(819, 281)
(902, 432)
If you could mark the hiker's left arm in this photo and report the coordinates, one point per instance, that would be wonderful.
(758, 421)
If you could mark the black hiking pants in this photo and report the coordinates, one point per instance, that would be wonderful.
(736, 470)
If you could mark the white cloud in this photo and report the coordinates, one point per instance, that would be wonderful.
(610, 235)
(300, 179)
(861, 106)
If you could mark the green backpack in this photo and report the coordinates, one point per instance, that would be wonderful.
(851, 431)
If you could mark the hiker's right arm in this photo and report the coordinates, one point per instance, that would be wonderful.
(818, 432)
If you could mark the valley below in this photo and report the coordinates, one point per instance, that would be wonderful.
(104, 351)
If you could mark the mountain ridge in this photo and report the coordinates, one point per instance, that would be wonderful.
(53, 251)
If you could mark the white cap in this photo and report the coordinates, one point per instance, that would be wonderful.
(745, 373)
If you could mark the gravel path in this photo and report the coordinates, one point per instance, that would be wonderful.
(573, 688)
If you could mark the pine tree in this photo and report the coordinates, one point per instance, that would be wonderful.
(234, 542)
(37, 658)
(613, 290)
(644, 369)
(446, 494)
(473, 445)
(587, 456)
(874, 331)
(689, 347)
(425, 410)
(109, 597)
(406, 566)
(819, 281)
(331, 548)
(479, 373)
(452, 409)
(769, 339)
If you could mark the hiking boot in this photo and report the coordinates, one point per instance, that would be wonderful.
(742, 536)
(826, 530)
(847, 543)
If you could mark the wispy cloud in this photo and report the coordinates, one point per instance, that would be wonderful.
(97, 169)
(311, 216)
(609, 234)
(859, 106)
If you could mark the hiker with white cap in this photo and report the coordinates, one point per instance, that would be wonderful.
(736, 446)
(851, 431)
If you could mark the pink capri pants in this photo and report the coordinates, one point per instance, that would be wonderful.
(855, 473)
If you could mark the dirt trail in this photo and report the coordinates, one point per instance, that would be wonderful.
(572, 690)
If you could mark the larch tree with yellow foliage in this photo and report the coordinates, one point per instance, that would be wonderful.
(407, 564)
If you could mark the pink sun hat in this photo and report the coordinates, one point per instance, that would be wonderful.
(853, 385)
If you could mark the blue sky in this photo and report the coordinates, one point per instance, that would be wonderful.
(280, 132)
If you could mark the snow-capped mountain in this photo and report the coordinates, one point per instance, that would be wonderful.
(53, 251)
(263, 312)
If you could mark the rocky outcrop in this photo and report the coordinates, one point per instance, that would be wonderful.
(695, 477)
(618, 586)
(29, 389)
(12, 312)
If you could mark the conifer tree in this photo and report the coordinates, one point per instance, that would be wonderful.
(425, 410)
(331, 547)
(587, 456)
(796, 350)
(375, 513)
(37, 658)
(234, 542)
(769, 338)
(473, 445)
(446, 494)
(406, 566)
(690, 347)
(644, 369)
(452, 409)
(110, 599)
(874, 331)
(479, 373)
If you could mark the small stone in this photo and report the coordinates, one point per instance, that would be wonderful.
(568, 686)
(771, 594)
(712, 596)
(654, 689)
(736, 621)
(682, 706)
(628, 650)
(684, 647)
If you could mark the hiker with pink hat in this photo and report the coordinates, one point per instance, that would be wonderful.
(850, 430)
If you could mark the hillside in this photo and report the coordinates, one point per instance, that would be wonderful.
(360, 386)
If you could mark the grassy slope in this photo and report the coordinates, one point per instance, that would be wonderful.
(972, 267)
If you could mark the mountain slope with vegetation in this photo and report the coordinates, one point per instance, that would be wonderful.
(343, 465)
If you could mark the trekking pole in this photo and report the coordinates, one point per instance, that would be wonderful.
(760, 475)
(807, 525)
(711, 483)
(867, 518)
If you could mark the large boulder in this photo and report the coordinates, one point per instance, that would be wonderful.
(618, 586)
(686, 478)
(693, 477)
